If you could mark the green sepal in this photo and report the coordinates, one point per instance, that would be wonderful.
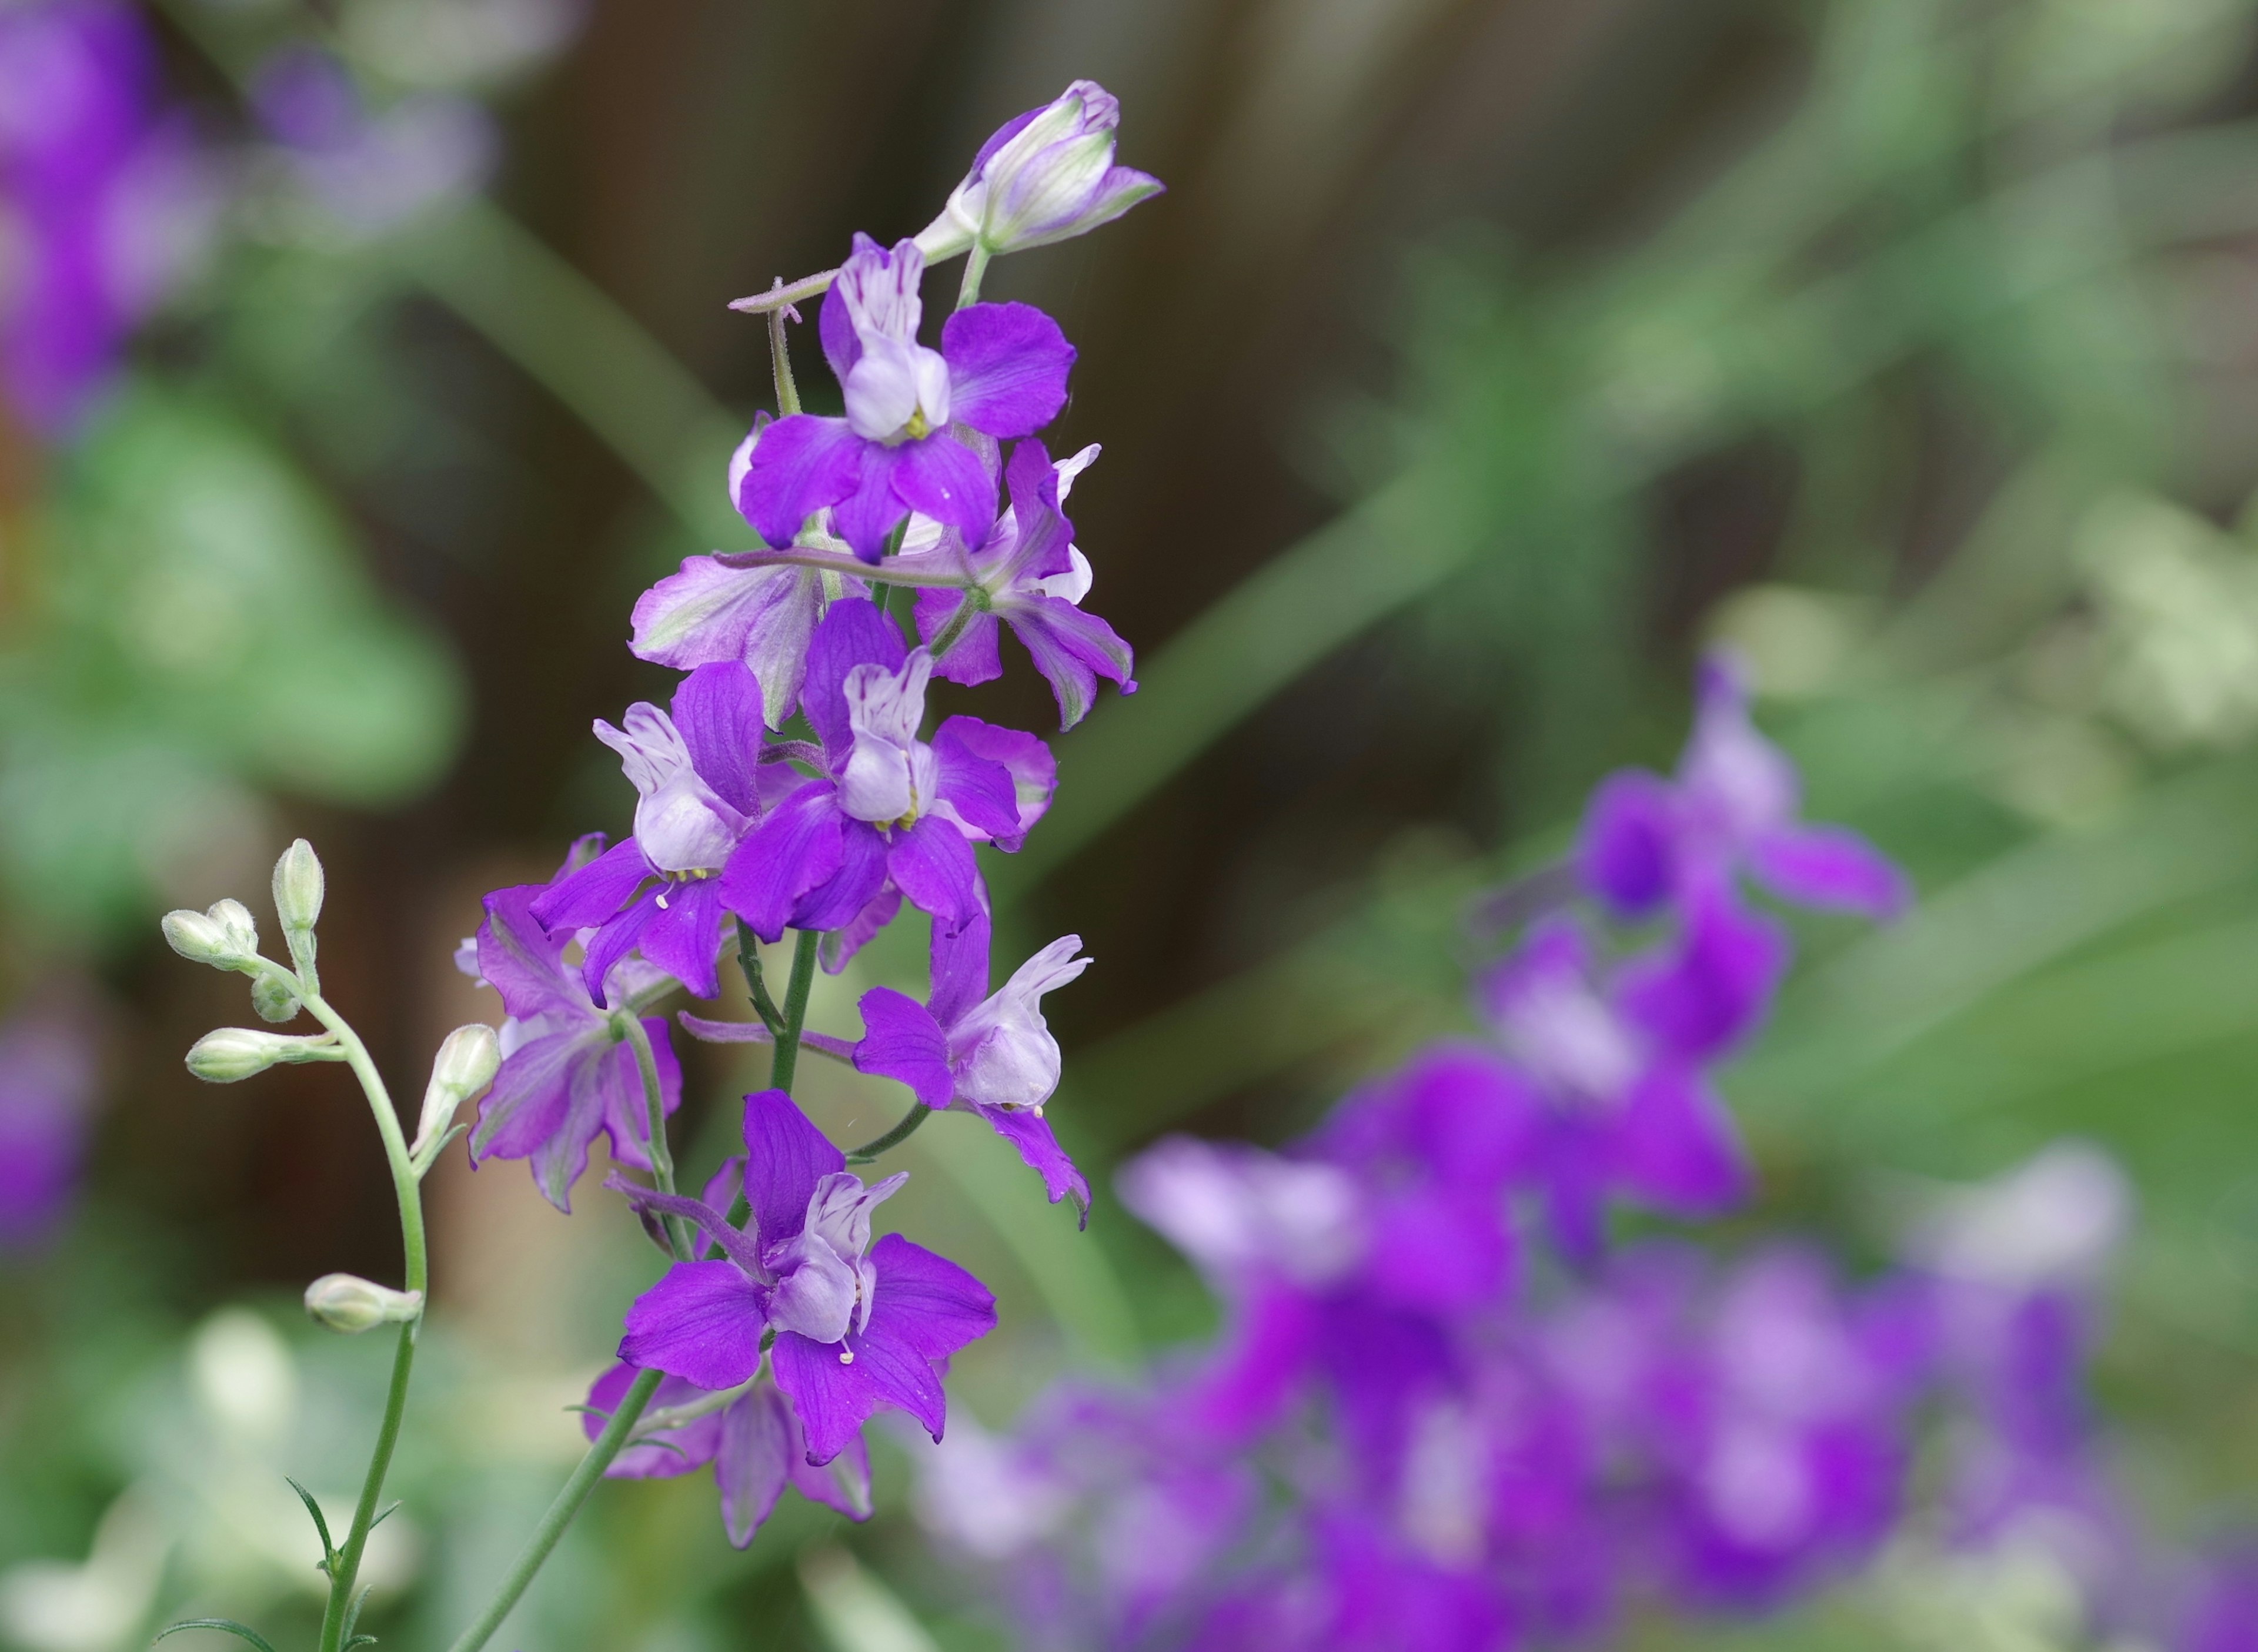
(226, 1625)
(274, 998)
(430, 1156)
(329, 1548)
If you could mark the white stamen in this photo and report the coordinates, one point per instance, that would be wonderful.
(846, 1356)
(662, 902)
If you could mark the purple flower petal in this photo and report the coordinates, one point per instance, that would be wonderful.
(1627, 852)
(842, 1484)
(1029, 762)
(839, 946)
(681, 934)
(702, 1322)
(1678, 1146)
(615, 937)
(944, 479)
(842, 898)
(1829, 867)
(659, 1455)
(718, 711)
(1439, 1250)
(710, 611)
(853, 634)
(1072, 649)
(926, 1301)
(785, 1157)
(520, 960)
(1007, 370)
(753, 1457)
(626, 1107)
(902, 1041)
(1715, 984)
(934, 868)
(974, 657)
(797, 848)
(869, 512)
(979, 790)
(959, 971)
(594, 893)
(799, 465)
(835, 1396)
(1031, 1135)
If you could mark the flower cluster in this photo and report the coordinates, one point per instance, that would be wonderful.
(794, 782)
(1449, 1410)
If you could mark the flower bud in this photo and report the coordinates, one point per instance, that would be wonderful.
(298, 889)
(223, 937)
(234, 1054)
(346, 1302)
(1044, 177)
(273, 998)
(465, 1065)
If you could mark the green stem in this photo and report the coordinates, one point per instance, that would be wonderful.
(560, 1511)
(345, 1570)
(975, 604)
(748, 958)
(869, 1150)
(976, 267)
(786, 1064)
(780, 364)
(662, 1156)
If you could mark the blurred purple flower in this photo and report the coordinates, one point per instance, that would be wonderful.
(753, 1443)
(858, 1327)
(1045, 176)
(47, 1075)
(1001, 371)
(370, 172)
(1029, 575)
(566, 1076)
(892, 815)
(702, 786)
(1733, 806)
(990, 1054)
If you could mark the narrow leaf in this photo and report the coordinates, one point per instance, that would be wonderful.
(329, 1549)
(383, 1514)
(226, 1625)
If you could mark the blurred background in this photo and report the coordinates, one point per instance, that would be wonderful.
(1485, 359)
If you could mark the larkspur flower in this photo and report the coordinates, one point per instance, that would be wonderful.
(858, 1327)
(47, 1093)
(1733, 808)
(1028, 574)
(891, 815)
(1617, 1061)
(751, 1437)
(701, 786)
(989, 1054)
(1047, 175)
(567, 1075)
(1001, 371)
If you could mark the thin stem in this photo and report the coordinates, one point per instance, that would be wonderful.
(975, 604)
(560, 1511)
(345, 1570)
(847, 564)
(780, 296)
(869, 1150)
(783, 1069)
(748, 958)
(780, 363)
(976, 267)
(662, 1156)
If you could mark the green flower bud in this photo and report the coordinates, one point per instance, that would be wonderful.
(465, 1065)
(345, 1302)
(224, 937)
(271, 995)
(298, 891)
(233, 1053)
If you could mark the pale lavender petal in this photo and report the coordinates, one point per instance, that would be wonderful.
(797, 848)
(661, 1454)
(1033, 769)
(528, 1101)
(853, 634)
(1072, 649)
(801, 464)
(943, 479)
(710, 611)
(1031, 1135)
(1829, 867)
(973, 658)
(1627, 852)
(717, 709)
(902, 1041)
(933, 867)
(785, 1158)
(753, 1454)
(1007, 369)
(702, 1322)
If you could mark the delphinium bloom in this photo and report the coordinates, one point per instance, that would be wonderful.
(103, 203)
(1734, 807)
(891, 815)
(1045, 176)
(47, 1093)
(566, 1074)
(1027, 574)
(978, 1051)
(700, 785)
(1001, 371)
(856, 1326)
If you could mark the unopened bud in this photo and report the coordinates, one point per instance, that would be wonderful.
(347, 1302)
(223, 937)
(274, 998)
(233, 1053)
(465, 1065)
(1046, 176)
(298, 888)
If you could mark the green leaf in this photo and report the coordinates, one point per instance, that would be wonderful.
(226, 1625)
(329, 1549)
(383, 1514)
(353, 1607)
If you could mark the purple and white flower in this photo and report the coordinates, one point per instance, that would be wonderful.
(1047, 175)
(1001, 371)
(857, 1327)
(567, 1075)
(990, 1054)
(1027, 574)
(1733, 806)
(702, 788)
(891, 815)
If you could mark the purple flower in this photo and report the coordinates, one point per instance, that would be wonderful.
(1001, 371)
(749, 1436)
(990, 1054)
(47, 1092)
(102, 206)
(1733, 806)
(370, 172)
(566, 1076)
(1616, 1060)
(892, 816)
(858, 1327)
(701, 787)
(1028, 574)
(2223, 1616)
(1046, 175)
